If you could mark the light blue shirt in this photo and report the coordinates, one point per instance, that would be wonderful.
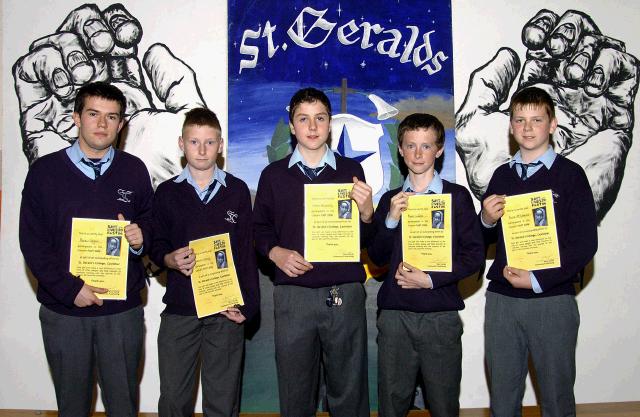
(547, 160)
(328, 158)
(435, 187)
(218, 176)
(76, 155)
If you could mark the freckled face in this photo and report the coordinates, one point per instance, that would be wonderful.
(419, 150)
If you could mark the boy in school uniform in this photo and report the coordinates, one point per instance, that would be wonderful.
(202, 201)
(419, 328)
(319, 308)
(535, 311)
(83, 333)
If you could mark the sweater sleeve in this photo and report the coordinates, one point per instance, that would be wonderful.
(144, 213)
(263, 216)
(580, 236)
(468, 245)
(381, 246)
(37, 242)
(161, 244)
(246, 266)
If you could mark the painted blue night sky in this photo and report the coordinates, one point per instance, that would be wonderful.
(386, 48)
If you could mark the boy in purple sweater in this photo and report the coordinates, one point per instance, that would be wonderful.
(202, 201)
(81, 332)
(535, 312)
(319, 308)
(419, 328)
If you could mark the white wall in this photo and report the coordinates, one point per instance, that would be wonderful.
(608, 368)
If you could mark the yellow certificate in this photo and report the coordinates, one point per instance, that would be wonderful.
(331, 224)
(426, 232)
(529, 231)
(100, 255)
(214, 279)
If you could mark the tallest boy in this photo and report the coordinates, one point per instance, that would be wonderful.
(319, 308)
(90, 179)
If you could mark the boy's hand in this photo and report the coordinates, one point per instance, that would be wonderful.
(518, 278)
(234, 315)
(183, 260)
(362, 194)
(410, 277)
(87, 296)
(132, 233)
(399, 203)
(289, 261)
(492, 208)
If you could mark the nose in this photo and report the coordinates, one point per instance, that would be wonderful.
(312, 124)
(102, 121)
(528, 125)
(201, 149)
(418, 153)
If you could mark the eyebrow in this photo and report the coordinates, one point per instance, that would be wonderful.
(98, 111)
(324, 113)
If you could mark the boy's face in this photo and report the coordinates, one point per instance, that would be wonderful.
(419, 150)
(311, 125)
(98, 125)
(531, 127)
(201, 146)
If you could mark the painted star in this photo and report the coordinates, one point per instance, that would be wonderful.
(345, 149)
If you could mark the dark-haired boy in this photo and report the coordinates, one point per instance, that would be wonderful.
(80, 331)
(535, 312)
(309, 324)
(202, 201)
(419, 328)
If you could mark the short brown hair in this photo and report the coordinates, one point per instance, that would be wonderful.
(308, 95)
(101, 90)
(532, 97)
(417, 121)
(201, 116)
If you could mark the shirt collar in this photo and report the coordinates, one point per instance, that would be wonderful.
(76, 155)
(435, 186)
(328, 158)
(546, 158)
(218, 175)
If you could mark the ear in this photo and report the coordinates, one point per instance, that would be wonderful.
(120, 125)
(400, 150)
(221, 145)
(440, 151)
(76, 119)
(181, 143)
(292, 129)
(554, 125)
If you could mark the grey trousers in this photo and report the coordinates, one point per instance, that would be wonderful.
(76, 346)
(218, 344)
(547, 328)
(409, 342)
(308, 331)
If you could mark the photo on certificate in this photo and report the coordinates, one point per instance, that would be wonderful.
(214, 279)
(529, 231)
(426, 232)
(221, 259)
(113, 245)
(344, 209)
(100, 255)
(331, 224)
